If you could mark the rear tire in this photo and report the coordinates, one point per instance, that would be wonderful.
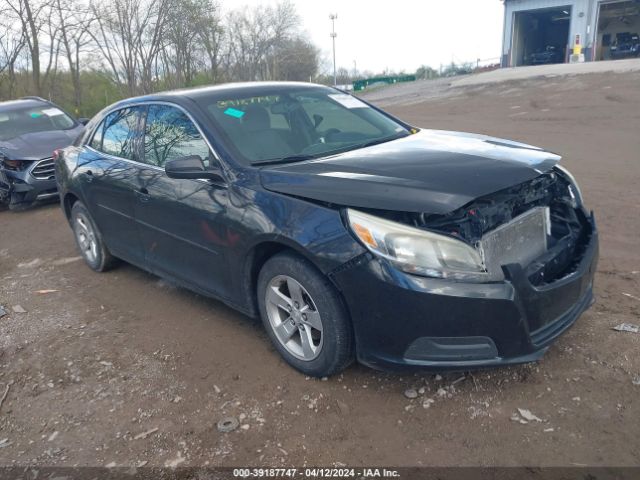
(304, 316)
(89, 240)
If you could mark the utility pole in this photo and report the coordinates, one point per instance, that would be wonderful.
(333, 17)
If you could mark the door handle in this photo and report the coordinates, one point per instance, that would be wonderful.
(143, 194)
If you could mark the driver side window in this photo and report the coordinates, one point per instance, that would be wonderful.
(169, 134)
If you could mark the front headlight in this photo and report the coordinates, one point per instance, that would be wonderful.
(574, 189)
(417, 251)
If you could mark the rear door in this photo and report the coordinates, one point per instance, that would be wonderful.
(109, 177)
(183, 225)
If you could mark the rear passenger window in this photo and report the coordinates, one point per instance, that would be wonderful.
(169, 134)
(118, 133)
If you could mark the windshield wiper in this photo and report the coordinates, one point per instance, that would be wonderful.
(378, 141)
(289, 159)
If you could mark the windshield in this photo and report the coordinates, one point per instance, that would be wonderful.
(23, 120)
(297, 125)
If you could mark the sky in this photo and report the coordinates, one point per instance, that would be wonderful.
(401, 34)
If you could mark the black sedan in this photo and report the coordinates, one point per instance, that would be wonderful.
(350, 233)
(30, 130)
(549, 54)
(626, 45)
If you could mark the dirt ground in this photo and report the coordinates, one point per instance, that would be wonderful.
(122, 368)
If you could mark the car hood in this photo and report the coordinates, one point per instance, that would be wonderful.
(38, 145)
(431, 171)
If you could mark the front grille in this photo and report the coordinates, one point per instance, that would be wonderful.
(44, 169)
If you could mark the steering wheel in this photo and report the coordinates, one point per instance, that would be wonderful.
(329, 133)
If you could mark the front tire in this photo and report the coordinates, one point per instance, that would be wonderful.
(89, 240)
(304, 316)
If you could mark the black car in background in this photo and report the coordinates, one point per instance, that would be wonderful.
(626, 45)
(350, 233)
(30, 130)
(549, 54)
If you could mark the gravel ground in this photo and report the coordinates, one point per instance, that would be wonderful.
(124, 369)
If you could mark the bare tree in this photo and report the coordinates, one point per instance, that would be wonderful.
(50, 44)
(253, 36)
(211, 36)
(32, 16)
(138, 46)
(128, 34)
(74, 21)
(295, 60)
(180, 43)
(12, 42)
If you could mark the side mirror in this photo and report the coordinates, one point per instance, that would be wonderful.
(83, 120)
(317, 120)
(190, 167)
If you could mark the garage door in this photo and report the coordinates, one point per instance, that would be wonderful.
(540, 36)
(618, 29)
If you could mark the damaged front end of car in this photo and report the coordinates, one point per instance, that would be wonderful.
(540, 225)
(480, 250)
(23, 182)
(501, 279)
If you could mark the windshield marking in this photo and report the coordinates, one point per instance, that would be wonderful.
(232, 112)
(348, 101)
(52, 112)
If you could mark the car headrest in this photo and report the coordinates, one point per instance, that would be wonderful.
(256, 118)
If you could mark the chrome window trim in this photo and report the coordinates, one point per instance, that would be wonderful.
(145, 165)
(121, 159)
(148, 165)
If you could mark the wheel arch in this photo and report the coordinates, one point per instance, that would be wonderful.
(255, 259)
(67, 203)
(262, 252)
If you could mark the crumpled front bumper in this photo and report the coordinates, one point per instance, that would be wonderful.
(21, 188)
(402, 321)
(6, 185)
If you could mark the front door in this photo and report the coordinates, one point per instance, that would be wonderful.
(181, 222)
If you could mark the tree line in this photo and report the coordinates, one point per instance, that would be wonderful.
(85, 54)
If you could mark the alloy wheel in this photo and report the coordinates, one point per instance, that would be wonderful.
(294, 318)
(86, 237)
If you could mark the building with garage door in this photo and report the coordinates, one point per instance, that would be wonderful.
(597, 27)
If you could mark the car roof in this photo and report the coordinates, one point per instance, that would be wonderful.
(222, 90)
(22, 103)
